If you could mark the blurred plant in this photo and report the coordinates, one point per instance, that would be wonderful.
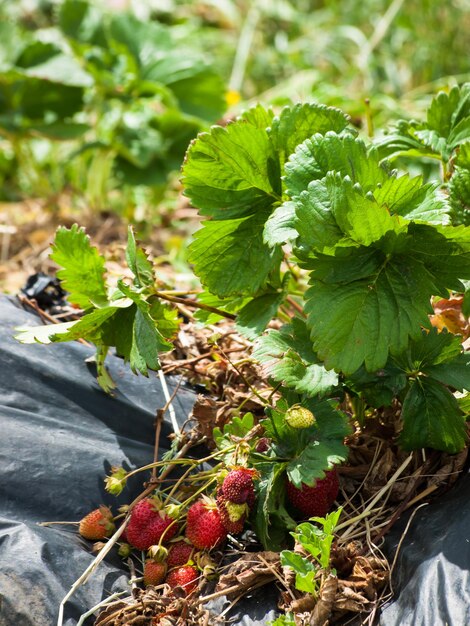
(125, 95)
(125, 85)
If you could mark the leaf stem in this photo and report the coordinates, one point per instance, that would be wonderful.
(193, 303)
(180, 461)
(169, 405)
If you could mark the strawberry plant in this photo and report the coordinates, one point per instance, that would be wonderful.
(304, 216)
(303, 212)
(130, 318)
(113, 98)
(308, 224)
(315, 542)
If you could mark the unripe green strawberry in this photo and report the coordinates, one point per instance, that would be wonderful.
(299, 417)
(98, 524)
(154, 572)
(185, 577)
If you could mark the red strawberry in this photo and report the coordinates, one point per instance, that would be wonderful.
(233, 515)
(238, 486)
(179, 553)
(97, 525)
(204, 527)
(147, 524)
(154, 572)
(143, 512)
(185, 577)
(315, 501)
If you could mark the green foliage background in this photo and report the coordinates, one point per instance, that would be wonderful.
(77, 133)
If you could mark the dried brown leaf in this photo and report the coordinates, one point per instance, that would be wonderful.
(324, 606)
(305, 604)
(205, 412)
(349, 600)
(249, 570)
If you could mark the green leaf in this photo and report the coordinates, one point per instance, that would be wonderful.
(460, 133)
(343, 154)
(271, 521)
(378, 388)
(280, 225)
(430, 348)
(258, 116)
(459, 196)
(466, 298)
(311, 464)
(138, 263)
(28, 100)
(228, 305)
(411, 199)
(314, 218)
(359, 217)
(42, 334)
(438, 355)
(103, 377)
(287, 357)
(464, 405)
(301, 121)
(147, 340)
(318, 541)
(62, 69)
(83, 267)
(462, 159)
(368, 317)
(329, 522)
(202, 94)
(455, 373)
(305, 571)
(253, 318)
(319, 447)
(446, 127)
(432, 418)
(237, 427)
(230, 257)
(448, 109)
(232, 172)
(146, 41)
(79, 19)
(372, 270)
(58, 131)
(445, 251)
(284, 620)
(138, 146)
